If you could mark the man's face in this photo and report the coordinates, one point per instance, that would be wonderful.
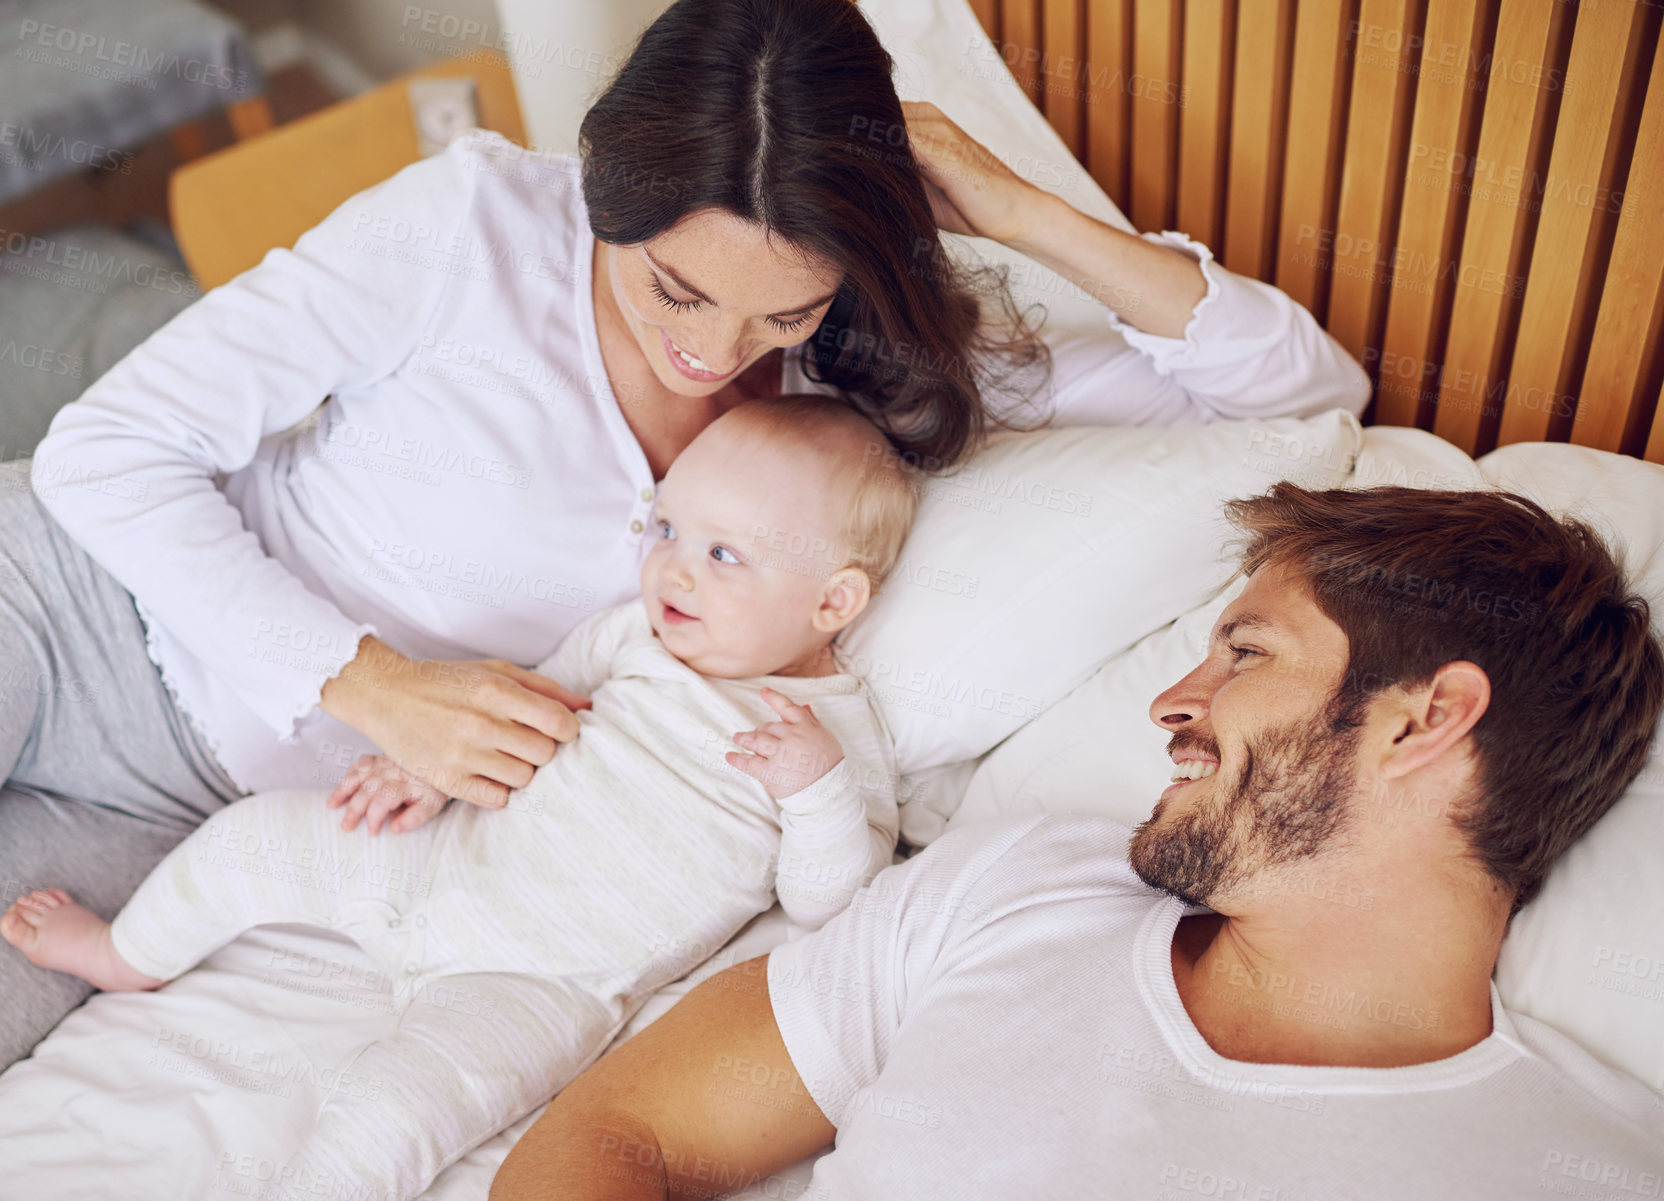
(1255, 725)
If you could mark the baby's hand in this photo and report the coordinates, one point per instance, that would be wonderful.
(377, 787)
(790, 754)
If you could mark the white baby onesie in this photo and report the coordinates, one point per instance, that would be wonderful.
(519, 941)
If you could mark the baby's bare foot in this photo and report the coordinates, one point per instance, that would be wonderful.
(54, 932)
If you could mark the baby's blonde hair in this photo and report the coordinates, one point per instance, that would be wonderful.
(883, 493)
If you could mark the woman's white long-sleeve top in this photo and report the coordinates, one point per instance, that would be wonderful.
(472, 489)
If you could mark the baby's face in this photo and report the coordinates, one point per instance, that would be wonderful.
(743, 579)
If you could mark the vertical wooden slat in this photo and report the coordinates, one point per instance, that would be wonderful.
(1205, 117)
(1157, 36)
(1259, 109)
(1617, 404)
(1505, 179)
(1372, 175)
(1655, 444)
(1312, 158)
(1577, 199)
(1440, 143)
(1020, 35)
(1061, 77)
(1109, 62)
(988, 14)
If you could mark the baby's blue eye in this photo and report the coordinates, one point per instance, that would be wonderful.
(667, 531)
(717, 553)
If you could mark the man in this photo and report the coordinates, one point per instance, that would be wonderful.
(1278, 987)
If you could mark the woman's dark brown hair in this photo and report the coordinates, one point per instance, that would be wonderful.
(783, 113)
(1417, 579)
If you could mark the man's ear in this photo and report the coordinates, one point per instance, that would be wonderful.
(846, 593)
(1432, 720)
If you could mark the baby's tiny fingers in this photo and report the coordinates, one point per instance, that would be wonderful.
(783, 705)
(356, 808)
(343, 795)
(749, 764)
(343, 790)
(385, 804)
(416, 813)
(360, 771)
(388, 802)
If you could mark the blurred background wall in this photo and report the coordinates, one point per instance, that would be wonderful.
(562, 51)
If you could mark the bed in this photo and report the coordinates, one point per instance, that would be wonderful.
(194, 1091)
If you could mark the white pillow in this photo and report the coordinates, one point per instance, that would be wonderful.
(1587, 956)
(1048, 552)
(1097, 751)
(1404, 457)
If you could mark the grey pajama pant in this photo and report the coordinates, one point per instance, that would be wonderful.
(103, 774)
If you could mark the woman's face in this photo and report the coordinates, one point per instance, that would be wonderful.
(713, 294)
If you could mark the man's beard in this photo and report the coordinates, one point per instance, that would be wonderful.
(1290, 802)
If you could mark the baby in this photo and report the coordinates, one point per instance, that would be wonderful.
(522, 939)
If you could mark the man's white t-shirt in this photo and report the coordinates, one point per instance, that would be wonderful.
(998, 1018)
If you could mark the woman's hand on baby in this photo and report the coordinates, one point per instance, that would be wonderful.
(971, 191)
(788, 755)
(477, 728)
(377, 789)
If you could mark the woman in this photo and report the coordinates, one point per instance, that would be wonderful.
(516, 349)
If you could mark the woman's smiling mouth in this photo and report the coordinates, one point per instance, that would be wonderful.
(689, 366)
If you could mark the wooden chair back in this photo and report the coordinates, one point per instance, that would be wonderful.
(229, 208)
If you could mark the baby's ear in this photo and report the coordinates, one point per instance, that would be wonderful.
(846, 593)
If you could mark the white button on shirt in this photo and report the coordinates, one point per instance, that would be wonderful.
(461, 495)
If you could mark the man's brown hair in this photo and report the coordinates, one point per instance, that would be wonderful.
(1418, 578)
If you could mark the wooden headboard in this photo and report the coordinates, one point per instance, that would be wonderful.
(1469, 194)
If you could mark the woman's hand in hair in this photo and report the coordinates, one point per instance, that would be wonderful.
(475, 729)
(971, 191)
(1150, 285)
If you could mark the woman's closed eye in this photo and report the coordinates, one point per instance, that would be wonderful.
(792, 326)
(1239, 653)
(669, 301)
(784, 325)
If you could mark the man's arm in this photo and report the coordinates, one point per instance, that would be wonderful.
(702, 1102)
